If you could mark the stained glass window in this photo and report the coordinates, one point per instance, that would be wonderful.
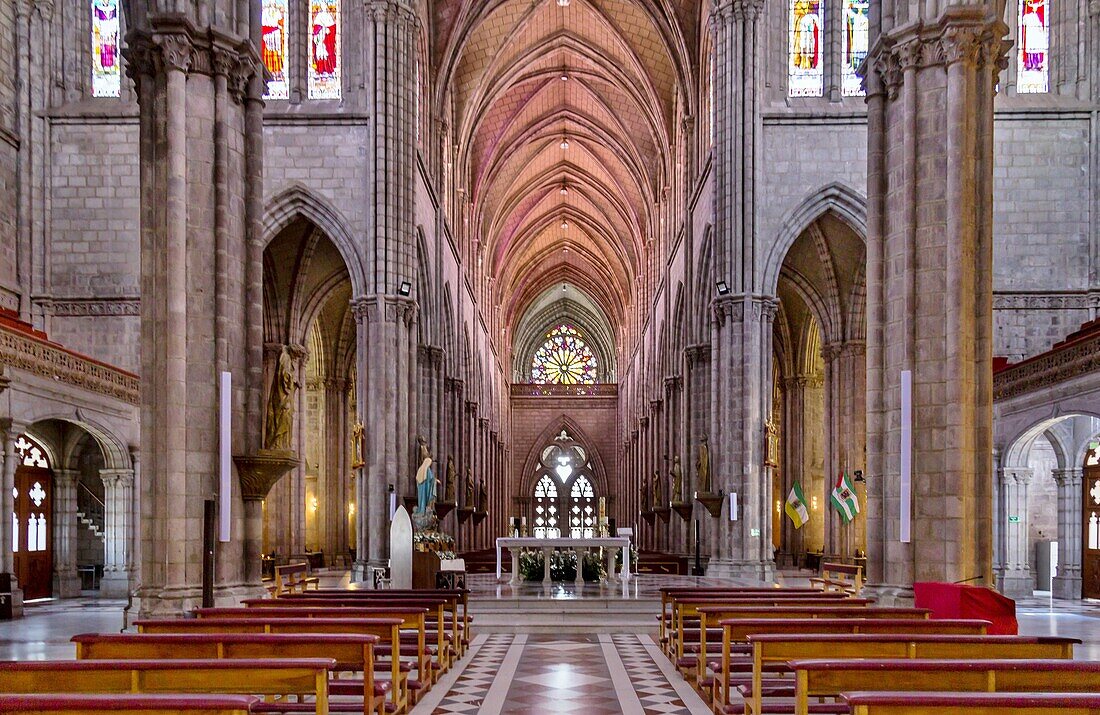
(546, 509)
(1034, 43)
(564, 359)
(855, 40)
(324, 49)
(106, 75)
(804, 69)
(274, 41)
(582, 509)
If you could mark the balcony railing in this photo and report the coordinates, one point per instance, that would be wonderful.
(532, 390)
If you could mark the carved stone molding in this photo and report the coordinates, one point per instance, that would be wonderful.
(386, 308)
(48, 360)
(94, 307)
(1046, 301)
(1042, 371)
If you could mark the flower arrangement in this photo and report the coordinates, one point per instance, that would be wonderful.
(433, 541)
(563, 566)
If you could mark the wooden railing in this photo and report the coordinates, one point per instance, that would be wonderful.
(532, 390)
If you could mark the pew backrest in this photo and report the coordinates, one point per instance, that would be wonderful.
(129, 704)
(916, 703)
(292, 578)
(846, 578)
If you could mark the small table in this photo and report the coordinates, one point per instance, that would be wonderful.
(579, 546)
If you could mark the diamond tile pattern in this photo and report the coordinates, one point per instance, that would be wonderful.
(468, 693)
(562, 674)
(654, 691)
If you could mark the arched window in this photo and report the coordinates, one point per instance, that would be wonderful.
(31, 454)
(854, 45)
(1032, 63)
(564, 487)
(805, 73)
(325, 49)
(106, 58)
(274, 40)
(564, 359)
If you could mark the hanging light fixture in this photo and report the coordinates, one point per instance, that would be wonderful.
(563, 3)
(564, 191)
(564, 225)
(564, 143)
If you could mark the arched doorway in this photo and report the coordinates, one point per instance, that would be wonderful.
(32, 520)
(1090, 548)
(564, 497)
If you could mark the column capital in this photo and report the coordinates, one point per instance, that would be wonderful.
(116, 477)
(384, 309)
(1017, 475)
(1069, 477)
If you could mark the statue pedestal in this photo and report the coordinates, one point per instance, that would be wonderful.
(682, 509)
(664, 513)
(479, 516)
(258, 472)
(464, 514)
(647, 516)
(443, 508)
(712, 502)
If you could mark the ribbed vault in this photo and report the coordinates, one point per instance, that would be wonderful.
(564, 115)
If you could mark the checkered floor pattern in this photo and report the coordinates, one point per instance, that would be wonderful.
(468, 692)
(654, 691)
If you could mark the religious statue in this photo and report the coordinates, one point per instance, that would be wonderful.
(469, 500)
(452, 481)
(280, 405)
(677, 474)
(643, 495)
(357, 445)
(657, 501)
(482, 496)
(702, 467)
(425, 480)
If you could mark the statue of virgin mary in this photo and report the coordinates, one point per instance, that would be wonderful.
(425, 480)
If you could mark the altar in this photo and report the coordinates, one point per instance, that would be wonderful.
(579, 546)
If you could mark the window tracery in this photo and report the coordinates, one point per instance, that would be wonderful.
(564, 492)
(564, 359)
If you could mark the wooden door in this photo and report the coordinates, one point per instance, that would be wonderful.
(32, 526)
(1090, 549)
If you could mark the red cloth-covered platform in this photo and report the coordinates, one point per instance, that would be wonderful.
(953, 600)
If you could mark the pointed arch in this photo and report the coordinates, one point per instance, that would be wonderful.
(528, 477)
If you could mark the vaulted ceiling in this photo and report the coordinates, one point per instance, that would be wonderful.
(564, 114)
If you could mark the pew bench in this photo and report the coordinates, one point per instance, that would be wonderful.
(830, 678)
(294, 578)
(353, 653)
(737, 631)
(278, 678)
(909, 703)
(845, 578)
(771, 652)
(129, 704)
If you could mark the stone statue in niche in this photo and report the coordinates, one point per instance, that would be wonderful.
(677, 474)
(643, 496)
(702, 467)
(657, 501)
(482, 496)
(357, 445)
(452, 482)
(280, 405)
(425, 480)
(469, 491)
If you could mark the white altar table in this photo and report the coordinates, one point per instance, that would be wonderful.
(579, 546)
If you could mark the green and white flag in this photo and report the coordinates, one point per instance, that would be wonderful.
(845, 499)
(796, 507)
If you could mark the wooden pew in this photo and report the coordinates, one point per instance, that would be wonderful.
(845, 578)
(769, 650)
(875, 703)
(669, 596)
(738, 631)
(387, 630)
(692, 614)
(686, 612)
(351, 653)
(434, 609)
(456, 605)
(712, 615)
(294, 578)
(830, 678)
(129, 704)
(293, 676)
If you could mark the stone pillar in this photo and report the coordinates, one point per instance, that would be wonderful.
(66, 580)
(335, 453)
(742, 329)
(794, 458)
(118, 503)
(1016, 580)
(191, 70)
(845, 437)
(1067, 582)
(930, 87)
(12, 430)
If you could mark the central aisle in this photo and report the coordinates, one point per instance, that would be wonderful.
(546, 674)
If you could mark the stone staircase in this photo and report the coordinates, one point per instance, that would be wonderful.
(90, 511)
(558, 615)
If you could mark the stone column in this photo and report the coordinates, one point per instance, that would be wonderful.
(118, 502)
(794, 457)
(335, 453)
(845, 437)
(66, 580)
(12, 430)
(1016, 580)
(1067, 582)
(191, 70)
(930, 89)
